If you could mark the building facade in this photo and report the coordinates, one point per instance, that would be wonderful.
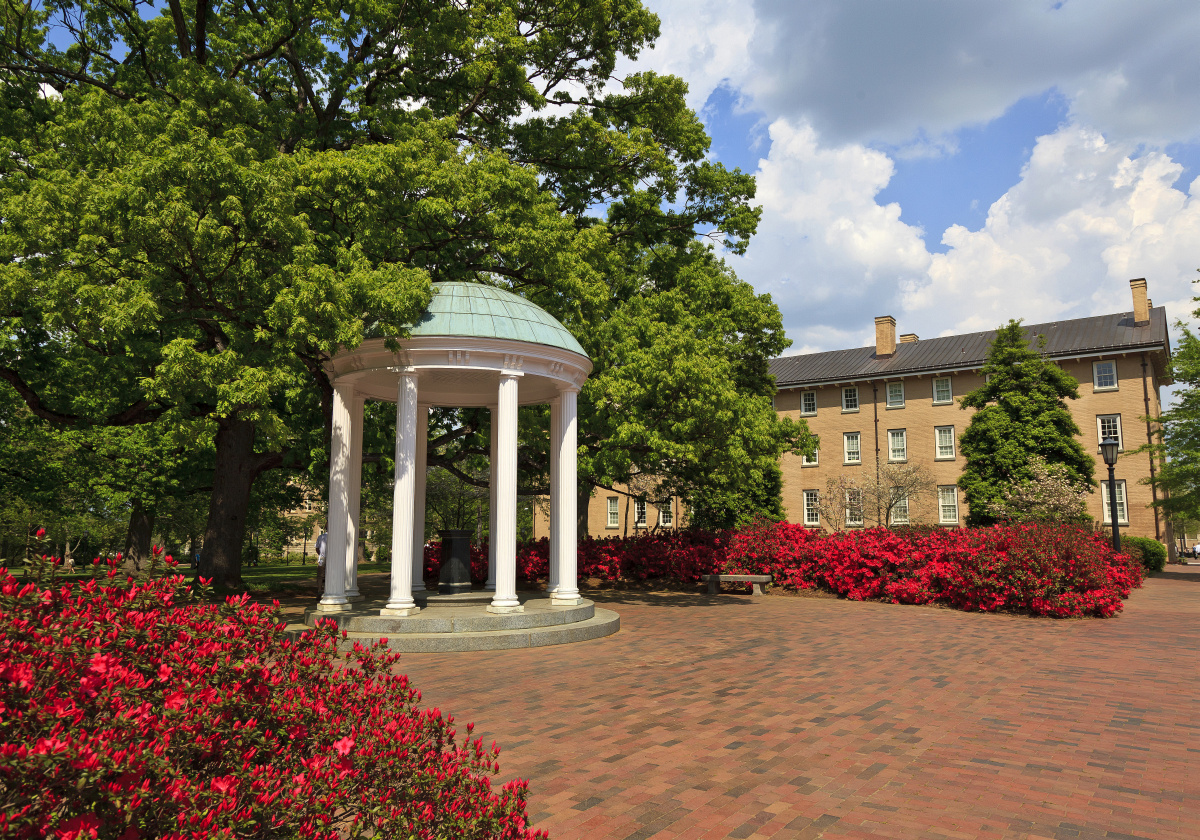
(896, 403)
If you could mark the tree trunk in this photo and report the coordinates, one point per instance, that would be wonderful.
(139, 537)
(233, 476)
(583, 501)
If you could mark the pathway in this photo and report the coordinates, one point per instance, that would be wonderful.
(811, 717)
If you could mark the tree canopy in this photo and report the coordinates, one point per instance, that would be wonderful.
(200, 202)
(1020, 415)
(1177, 449)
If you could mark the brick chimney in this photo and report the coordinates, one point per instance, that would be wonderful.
(1141, 303)
(909, 338)
(885, 335)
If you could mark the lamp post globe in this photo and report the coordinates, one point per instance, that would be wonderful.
(1108, 451)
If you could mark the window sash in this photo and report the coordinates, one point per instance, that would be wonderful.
(895, 394)
(948, 504)
(665, 516)
(850, 399)
(1104, 375)
(942, 391)
(812, 512)
(811, 460)
(945, 441)
(614, 515)
(1113, 424)
(854, 507)
(808, 402)
(900, 511)
(639, 512)
(897, 445)
(851, 444)
(1122, 508)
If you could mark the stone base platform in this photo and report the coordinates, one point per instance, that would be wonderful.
(468, 626)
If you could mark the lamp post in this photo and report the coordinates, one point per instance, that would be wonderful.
(1108, 451)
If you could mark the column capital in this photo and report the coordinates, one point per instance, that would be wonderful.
(566, 387)
(403, 372)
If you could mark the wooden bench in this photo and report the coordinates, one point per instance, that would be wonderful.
(714, 582)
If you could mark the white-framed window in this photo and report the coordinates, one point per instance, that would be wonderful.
(639, 513)
(812, 510)
(851, 447)
(900, 510)
(665, 518)
(810, 460)
(854, 507)
(850, 398)
(897, 445)
(1104, 376)
(944, 442)
(895, 395)
(1122, 508)
(614, 515)
(942, 392)
(808, 403)
(948, 504)
(1109, 426)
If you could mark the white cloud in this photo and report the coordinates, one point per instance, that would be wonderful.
(704, 42)
(1086, 217)
(1093, 207)
(824, 245)
(877, 70)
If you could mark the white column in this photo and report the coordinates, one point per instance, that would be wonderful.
(564, 439)
(490, 586)
(555, 490)
(334, 599)
(505, 600)
(353, 529)
(401, 600)
(418, 543)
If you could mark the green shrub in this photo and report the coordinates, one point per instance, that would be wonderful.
(1152, 553)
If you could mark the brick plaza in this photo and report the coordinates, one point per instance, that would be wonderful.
(792, 717)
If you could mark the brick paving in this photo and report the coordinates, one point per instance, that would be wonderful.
(787, 717)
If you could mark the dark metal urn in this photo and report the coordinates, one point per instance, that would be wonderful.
(455, 576)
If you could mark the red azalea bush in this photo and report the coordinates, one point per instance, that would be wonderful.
(130, 709)
(1052, 570)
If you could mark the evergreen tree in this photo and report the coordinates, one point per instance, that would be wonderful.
(1020, 414)
(1178, 448)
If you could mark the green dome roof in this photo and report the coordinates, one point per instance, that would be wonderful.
(477, 311)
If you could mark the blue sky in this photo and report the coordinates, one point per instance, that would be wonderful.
(953, 164)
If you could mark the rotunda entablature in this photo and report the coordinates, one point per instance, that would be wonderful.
(460, 370)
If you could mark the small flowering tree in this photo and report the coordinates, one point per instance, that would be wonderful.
(130, 709)
(1048, 495)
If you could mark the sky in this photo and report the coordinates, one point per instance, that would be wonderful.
(953, 163)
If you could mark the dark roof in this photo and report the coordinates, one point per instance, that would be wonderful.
(1064, 339)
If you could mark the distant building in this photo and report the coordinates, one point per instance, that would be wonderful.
(897, 402)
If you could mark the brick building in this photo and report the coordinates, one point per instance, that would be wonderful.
(897, 402)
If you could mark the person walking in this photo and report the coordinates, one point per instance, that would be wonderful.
(322, 541)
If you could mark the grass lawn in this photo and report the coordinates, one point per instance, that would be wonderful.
(258, 580)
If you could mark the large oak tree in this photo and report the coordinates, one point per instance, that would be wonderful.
(200, 202)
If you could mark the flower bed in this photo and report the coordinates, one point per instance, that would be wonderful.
(128, 709)
(1059, 571)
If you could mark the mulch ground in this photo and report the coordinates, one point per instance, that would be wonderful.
(715, 717)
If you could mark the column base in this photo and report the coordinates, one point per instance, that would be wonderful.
(489, 587)
(399, 611)
(565, 600)
(355, 595)
(333, 606)
(504, 610)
